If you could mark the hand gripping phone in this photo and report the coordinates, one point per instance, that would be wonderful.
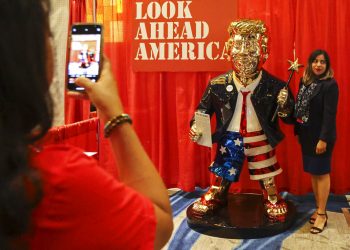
(85, 53)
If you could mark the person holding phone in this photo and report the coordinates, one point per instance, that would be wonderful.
(315, 113)
(54, 196)
(86, 46)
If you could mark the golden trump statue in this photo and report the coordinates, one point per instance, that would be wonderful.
(244, 101)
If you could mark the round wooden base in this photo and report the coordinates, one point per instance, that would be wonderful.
(242, 218)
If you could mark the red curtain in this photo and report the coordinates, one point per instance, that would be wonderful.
(162, 104)
(76, 110)
(80, 134)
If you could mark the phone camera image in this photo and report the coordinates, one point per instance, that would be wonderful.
(84, 54)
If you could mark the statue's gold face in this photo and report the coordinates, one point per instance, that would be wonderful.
(247, 48)
(245, 53)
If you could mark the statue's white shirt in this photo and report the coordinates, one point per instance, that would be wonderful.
(252, 120)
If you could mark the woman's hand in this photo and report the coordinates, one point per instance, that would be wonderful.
(103, 94)
(321, 147)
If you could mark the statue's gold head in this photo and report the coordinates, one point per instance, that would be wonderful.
(247, 46)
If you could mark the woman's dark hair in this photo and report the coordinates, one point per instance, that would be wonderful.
(309, 75)
(25, 109)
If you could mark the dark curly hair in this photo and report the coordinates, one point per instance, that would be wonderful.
(25, 110)
(309, 76)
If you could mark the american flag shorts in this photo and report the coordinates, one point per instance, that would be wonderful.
(232, 150)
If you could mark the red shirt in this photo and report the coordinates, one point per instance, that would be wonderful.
(84, 207)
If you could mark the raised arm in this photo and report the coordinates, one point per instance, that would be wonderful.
(135, 168)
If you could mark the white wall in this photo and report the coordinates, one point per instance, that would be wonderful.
(59, 19)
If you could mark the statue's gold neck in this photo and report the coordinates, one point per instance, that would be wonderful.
(247, 79)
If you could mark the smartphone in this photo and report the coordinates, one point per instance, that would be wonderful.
(85, 53)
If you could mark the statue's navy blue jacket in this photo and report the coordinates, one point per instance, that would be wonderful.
(217, 99)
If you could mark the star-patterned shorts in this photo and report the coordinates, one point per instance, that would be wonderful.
(233, 149)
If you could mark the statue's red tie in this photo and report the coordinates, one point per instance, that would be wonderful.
(243, 124)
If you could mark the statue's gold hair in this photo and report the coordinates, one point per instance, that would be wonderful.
(247, 26)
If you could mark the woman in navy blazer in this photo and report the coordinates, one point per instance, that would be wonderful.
(315, 113)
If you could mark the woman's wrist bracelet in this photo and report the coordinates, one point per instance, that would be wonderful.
(114, 122)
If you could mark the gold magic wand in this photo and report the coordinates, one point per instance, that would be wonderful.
(294, 66)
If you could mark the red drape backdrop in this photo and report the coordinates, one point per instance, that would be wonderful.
(162, 104)
(80, 134)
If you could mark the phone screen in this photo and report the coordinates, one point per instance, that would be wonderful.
(84, 54)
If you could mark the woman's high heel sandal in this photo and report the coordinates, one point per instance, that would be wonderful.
(317, 230)
(313, 217)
